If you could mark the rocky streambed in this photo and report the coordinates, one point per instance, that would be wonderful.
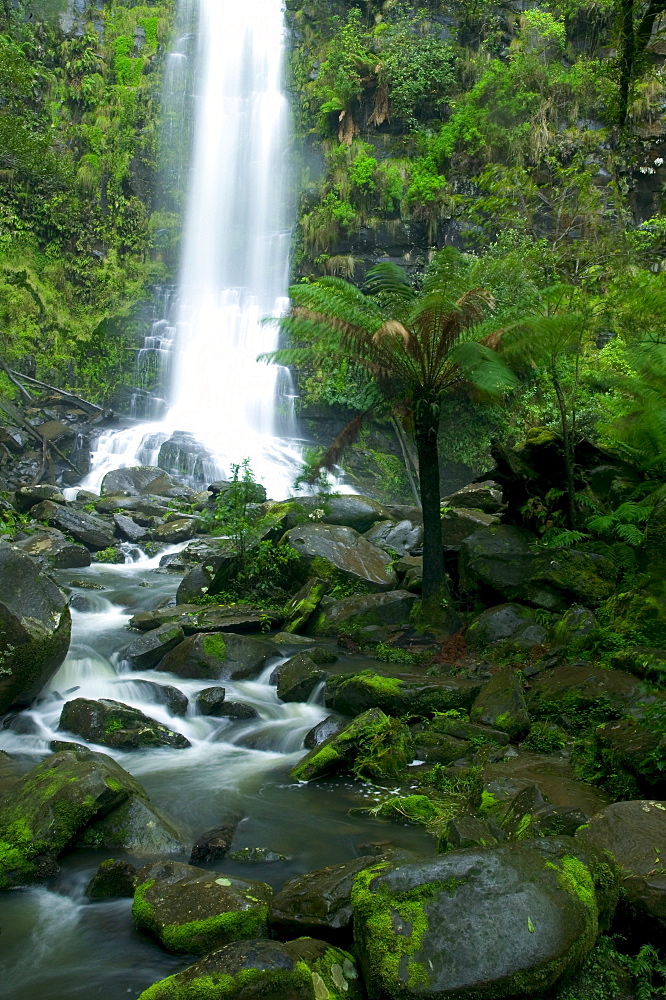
(201, 798)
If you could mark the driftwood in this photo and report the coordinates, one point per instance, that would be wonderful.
(17, 417)
(21, 388)
(92, 408)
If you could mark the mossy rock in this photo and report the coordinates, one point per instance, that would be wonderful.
(372, 745)
(579, 687)
(191, 911)
(113, 724)
(508, 624)
(35, 627)
(637, 616)
(51, 804)
(300, 609)
(297, 678)
(218, 656)
(490, 923)
(391, 609)
(334, 552)
(148, 649)
(135, 826)
(112, 880)
(305, 969)
(405, 694)
(501, 704)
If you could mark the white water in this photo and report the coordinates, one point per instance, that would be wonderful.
(234, 269)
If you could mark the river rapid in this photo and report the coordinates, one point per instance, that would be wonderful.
(57, 945)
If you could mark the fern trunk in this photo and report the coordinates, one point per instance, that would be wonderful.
(437, 605)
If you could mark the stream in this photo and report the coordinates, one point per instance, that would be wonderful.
(54, 943)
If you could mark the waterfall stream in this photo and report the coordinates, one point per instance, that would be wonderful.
(223, 405)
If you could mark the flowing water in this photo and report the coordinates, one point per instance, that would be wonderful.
(54, 944)
(223, 405)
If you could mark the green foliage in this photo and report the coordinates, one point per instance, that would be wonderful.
(544, 737)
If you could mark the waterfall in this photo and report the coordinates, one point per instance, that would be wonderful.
(223, 406)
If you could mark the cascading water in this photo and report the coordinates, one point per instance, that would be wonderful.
(224, 406)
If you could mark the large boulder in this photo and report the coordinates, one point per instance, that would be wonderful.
(459, 524)
(503, 921)
(501, 703)
(372, 746)
(502, 561)
(579, 686)
(338, 552)
(302, 606)
(396, 538)
(635, 834)
(391, 608)
(305, 969)
(297, 678)
(357, 512)
(512, 624)
(405, 694)
(485, 496)
(52, 550)
(214, 656)
(142, 479)
(135, 826)
(27, 497)
(90, 530)
(51, 804)
(112, 724)
(193, 618)
(191, 911)
(35, 626)
(318, 902)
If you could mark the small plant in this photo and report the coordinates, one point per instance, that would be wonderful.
(110, 555)
(545, 738)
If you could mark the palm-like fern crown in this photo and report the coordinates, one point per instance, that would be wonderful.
(415, 342)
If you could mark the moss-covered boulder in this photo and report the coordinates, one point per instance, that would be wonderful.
(391, 609)
(509, 624)
(52, 550)
(581, 686)
(135, 826)
(215, 656)
(635, 834)
(56, 800)
(191, 911)
(35, 626)
(329, 726)
(148, 649)
(194, 618)
(318, 902)
(305, 969)
(335, 552)
(303, 604)
(638, 616)
(217, 567)
(112, 880)
(402, 695)
(112, 724)
(298, 677)
(459, 523)
(501, 704)
(372, 745)
(503, 921)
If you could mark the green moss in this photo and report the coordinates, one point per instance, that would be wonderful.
(576, 879)
(214, 645)
(200, 936)
(199, 988)
(142, 911)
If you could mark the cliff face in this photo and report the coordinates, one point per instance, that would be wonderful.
(83, 231)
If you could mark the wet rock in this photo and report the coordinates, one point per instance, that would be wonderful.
(56, 745)
(113, 724)
(466, 831)
(500, 921)
(144, 510)
(405, 694)
(218, 565)
(357, 512)
(530, 815)
(209, 701)
(646, 662)
(214, 844)
(577, 686)
(51, 804)
(335, 551)
(191, 911)
(303, 604)
(390, 609)
(321, 732)
(193, 618)
(396, 538)
(180, 530)
(501, 704)
(347, 750)
(214, 656)
(576, 623)
(438, 748)
(318, 902)
(411, 570)
(90, 530)
(112, 880)
(506, 622)
(635, 834)
(29, 496)
(165, 694)
(53, 551)
(457, 525)
(298, 970)
(128, 528)
(637, 747)
(486, 496)
(236, 710)
(135, 826)
(252, 492)
(464, 730)
(35, 627)
(256, 856)
(140, 480)
(148, 649)
(297, 678)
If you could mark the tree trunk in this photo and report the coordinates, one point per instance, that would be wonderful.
(437, 605)
(627, 57)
